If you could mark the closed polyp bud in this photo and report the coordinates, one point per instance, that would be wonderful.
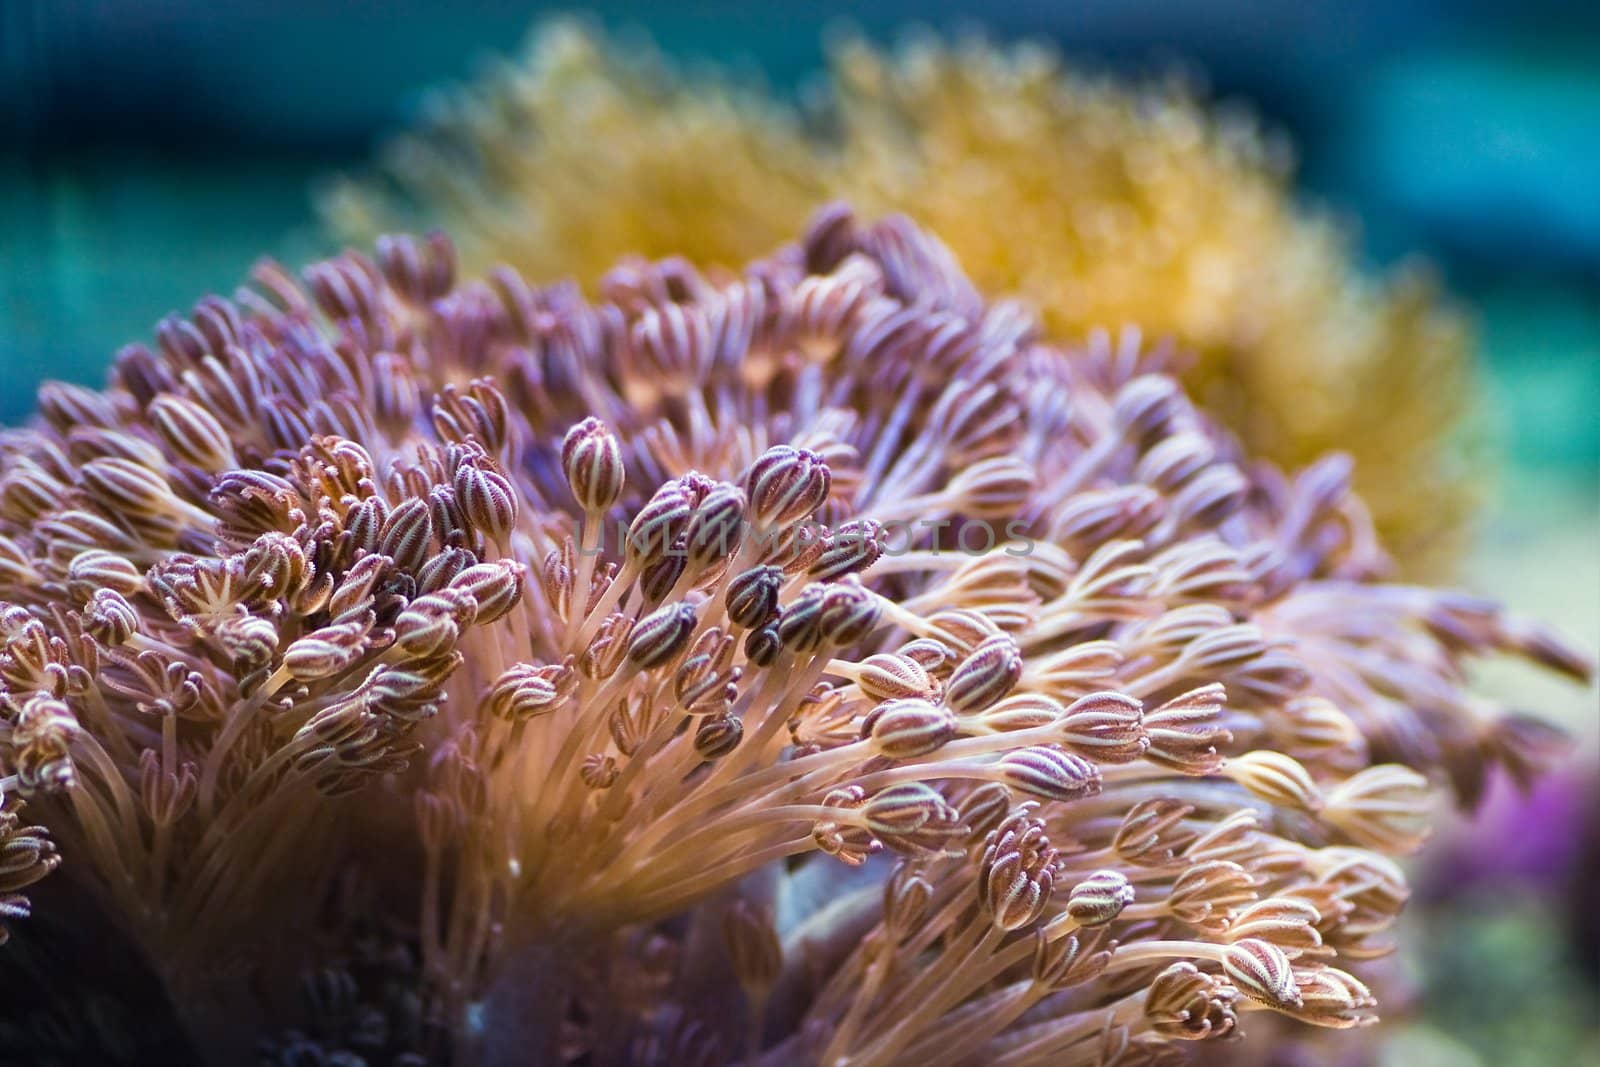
(97, 568)
(127, 488)
(851, 547)
(983, 420)
(525, 690)
(849, 613)
(1099, 898)
(441, 570)
(1097, 516)
(671, 341)
(989, 673)
(658, 580)
(248, 639)
(715, 738)
(1049, 773)
(888, 676)
(714, 530)
(661, 635)
(761, 647)
(800, 624)
(1261, 971)
(906, 809)
(786, 485)
(1319, 727)
(591, 458)
(325, 652)
(487, 500)
(431, 625)
(1275, 778)
(658, 525)
(1108, 726)
(752, 597)
(906, 729)
(1184, 732)
(407, 534)
(598, 771)
(192, 433)
(276, 565)
(396, 395)
(27, 492)
(495, 586)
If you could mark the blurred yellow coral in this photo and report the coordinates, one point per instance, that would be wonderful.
(1103, 204)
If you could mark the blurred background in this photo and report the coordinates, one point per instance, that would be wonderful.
(151, 150)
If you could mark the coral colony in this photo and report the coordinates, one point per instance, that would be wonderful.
(1101, 203)
(813, 663)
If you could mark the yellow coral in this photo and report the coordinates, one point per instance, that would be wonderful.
(1101, 203)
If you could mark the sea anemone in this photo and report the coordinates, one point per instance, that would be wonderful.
(809, 664)
(1102, 204)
